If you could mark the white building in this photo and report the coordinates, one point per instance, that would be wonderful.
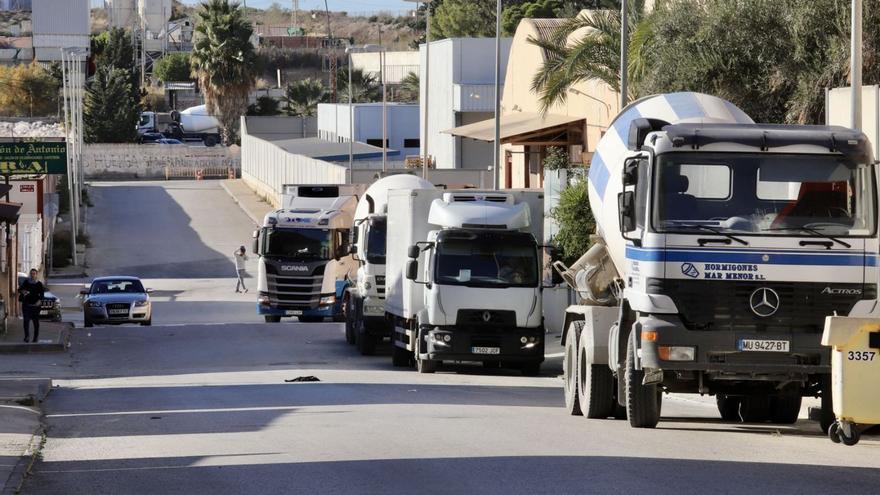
(403, 126)
(397, 64)
(59, 24)
(462, 79)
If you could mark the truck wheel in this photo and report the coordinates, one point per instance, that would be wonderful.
(595, 386)
(755, 409)
(272, 319)
(826, 417)
(348, 311)
(569, 368)
(785, 408)
(531, 369)
(210, 141)
(365, 343)
(425, 365)
(642, 401)
(728, 407)
(400, 357)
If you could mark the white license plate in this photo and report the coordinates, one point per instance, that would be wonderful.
(293, 312)
(761, 345)
(117, 311)
(44, 313)
(486, 350)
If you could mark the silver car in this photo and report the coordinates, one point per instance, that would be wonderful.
(116, 300)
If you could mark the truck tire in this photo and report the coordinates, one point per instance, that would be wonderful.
(569, 368)
(425, 365)
(272, 319)
(348, 311)
(728, 407)
(210, 141)
(365, 343)
(400, 357)
(595, 385)
(642, 401)
(755, 409)
(785, 408)
(826, 416)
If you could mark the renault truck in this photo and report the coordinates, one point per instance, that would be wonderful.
(463, 278)
(364, 301)
(721, 247)
(304, 259)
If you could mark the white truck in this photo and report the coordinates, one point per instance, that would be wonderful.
(364, 302)
(305, 264)
(723, 246)
(192, 124)
(464, 278)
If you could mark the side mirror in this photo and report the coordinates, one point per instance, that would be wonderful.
(255, 246)
(626, 211)
(149, 291)
(412, 270)
(84, 292)
(413, 252)
(631, 171)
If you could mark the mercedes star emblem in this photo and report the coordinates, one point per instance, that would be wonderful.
(764, 302)
(487, 316)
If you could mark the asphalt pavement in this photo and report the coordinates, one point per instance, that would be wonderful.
(206, 400)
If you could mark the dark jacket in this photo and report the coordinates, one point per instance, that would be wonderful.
(31, 293)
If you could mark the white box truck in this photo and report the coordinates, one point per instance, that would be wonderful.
(723, 246)
(463, 278)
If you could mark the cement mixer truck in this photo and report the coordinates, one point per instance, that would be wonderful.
(192, 124)
(722, 245)
(364, 302)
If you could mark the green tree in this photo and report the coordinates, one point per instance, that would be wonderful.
(173, 67)
(224, 62)
(463, 18)
(302, 97)
(408, 90)
(535, 9)
(364, 87)
(266, 106)
(576, 222)
(28, 90)
(110, 110)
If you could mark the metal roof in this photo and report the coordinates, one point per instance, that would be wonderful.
(330, 150)
(512, 125)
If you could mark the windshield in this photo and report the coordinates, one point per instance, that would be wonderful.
(765, 194)
(376, 241)
(487, 260)
(299, 244)
(145, 119)
(117, 287)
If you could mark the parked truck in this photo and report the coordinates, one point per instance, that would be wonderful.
(192, 124)
(463, 278)
(305, 264)
(364, 302)
(723, 244)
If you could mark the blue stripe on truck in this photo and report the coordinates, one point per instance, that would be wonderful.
(599, 174)
(774, 257)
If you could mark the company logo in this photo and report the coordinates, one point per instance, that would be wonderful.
(294, 268)
(841, 292)
(487, 316)
(764, 302)
(690, 270)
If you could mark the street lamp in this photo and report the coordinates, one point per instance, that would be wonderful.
(497, 143)
(381, 51)
(424, 141)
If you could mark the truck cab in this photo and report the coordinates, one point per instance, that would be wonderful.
(305, 261)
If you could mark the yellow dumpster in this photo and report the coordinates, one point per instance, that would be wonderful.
(855, 375)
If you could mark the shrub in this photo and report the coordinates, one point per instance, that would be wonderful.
(576, 222)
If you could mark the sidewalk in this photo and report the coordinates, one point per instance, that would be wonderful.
(54, 337)
(22, 433)
(253, 206)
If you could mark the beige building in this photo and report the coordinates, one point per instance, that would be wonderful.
(526, 132)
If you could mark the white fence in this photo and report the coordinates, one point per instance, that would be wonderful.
(149, 161)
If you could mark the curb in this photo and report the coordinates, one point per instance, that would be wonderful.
(26, 461)
(247, 212)
(30, 348)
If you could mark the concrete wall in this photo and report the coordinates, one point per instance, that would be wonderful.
(148, 161)
(403, 123)
(397, 64)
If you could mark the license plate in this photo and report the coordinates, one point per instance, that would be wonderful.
(117, 311)
(486, 350)
(293, 312)
(44, 313)
(761, 345)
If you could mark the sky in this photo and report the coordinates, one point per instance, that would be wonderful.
(346, 5)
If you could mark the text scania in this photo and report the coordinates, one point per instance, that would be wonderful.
(732, 271)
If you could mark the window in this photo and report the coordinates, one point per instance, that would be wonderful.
(377, 142)
(411, 143)
(707, 181)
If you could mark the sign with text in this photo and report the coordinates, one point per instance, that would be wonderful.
(35, 157)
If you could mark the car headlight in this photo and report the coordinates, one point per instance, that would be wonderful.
(95, 304)
(140, 304)
(327, 300)
(264, 301)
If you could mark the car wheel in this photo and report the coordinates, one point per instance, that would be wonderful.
(87, 322)
(147, 323)
(272, 319)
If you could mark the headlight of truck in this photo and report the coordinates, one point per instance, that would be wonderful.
(140, 304)
(263, 300)
(327, 300)
(95, 304)
(676, 353)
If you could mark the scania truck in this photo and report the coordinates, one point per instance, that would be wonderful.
(305, 264)
(364, 302)
(723, 244)
(464, 278)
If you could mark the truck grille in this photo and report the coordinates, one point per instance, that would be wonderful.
(297, 291)
(724, 305)
(475, 318)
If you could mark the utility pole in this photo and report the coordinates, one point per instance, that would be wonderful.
(497, 142)
(856, 65)
(624, 49)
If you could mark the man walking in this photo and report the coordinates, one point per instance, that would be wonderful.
(30, 293)
(240, 257)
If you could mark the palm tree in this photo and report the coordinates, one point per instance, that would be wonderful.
(224, 61)
(302, 97)
(409, 88)
(364, 87)
(587, 47)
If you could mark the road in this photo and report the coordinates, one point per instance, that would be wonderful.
(202, 402)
